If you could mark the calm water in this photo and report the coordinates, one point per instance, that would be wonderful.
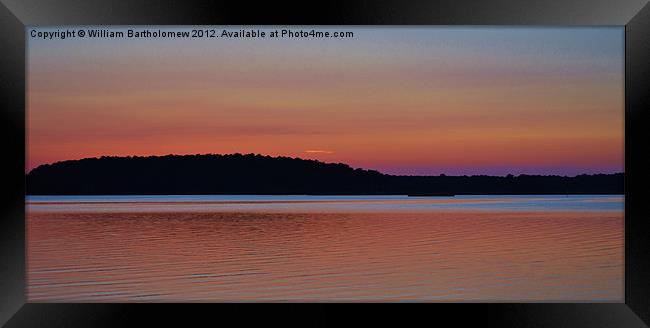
(325, 248)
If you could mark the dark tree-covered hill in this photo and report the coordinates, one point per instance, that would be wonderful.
(257, 174)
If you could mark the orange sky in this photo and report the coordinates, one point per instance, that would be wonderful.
(401, 100)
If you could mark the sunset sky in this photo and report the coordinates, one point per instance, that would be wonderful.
(426, 100)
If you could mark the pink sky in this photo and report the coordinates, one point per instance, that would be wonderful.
(400, 100)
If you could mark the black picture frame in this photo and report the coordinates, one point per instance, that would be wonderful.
(16, 15)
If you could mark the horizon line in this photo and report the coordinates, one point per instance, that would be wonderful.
(27, 172)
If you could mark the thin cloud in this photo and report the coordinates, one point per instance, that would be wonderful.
(318, 151)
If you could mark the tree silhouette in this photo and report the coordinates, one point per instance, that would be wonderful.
(259, 174)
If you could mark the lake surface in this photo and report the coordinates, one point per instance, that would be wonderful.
(324, 248)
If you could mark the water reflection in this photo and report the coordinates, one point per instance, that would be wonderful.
(101, 251)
